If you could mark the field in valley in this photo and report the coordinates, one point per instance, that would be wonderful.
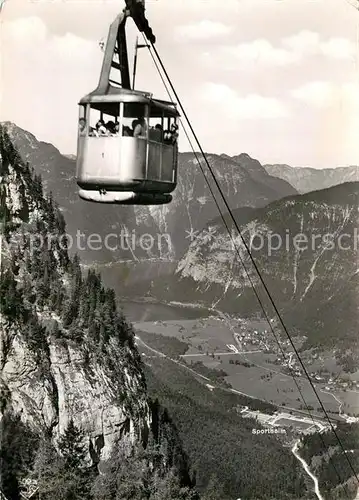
(211, 342)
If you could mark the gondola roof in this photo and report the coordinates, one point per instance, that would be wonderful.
(119, 94)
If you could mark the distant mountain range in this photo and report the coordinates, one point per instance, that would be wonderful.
(244, 180)
(305, 179)
(58, 174)
(60, 329)
(306, 247)
(310, 285)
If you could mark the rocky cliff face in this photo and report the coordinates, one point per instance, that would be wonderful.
(306, 179)
(66, 353)
(47, 401)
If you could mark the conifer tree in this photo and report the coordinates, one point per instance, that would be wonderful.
(51, 218)
(37, 187)
(10, 297)
(44, 284)
(18, 446)
(71, 446)
(57, 479)
(212, 490)
(28, 290)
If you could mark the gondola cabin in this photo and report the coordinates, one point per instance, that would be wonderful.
(127, 148)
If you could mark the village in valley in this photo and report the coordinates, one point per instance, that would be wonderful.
(250, 360)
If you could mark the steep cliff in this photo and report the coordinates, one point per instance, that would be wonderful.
(66, 351)
(73, 394)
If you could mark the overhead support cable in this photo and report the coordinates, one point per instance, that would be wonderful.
(246, 271)
(250, 256)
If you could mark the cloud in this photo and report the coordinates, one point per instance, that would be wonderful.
(322, 94)
(30, 35)
(253, 55)
(194, 7)
(44, 76)
(308, 43)
(319, 94)
(303, 43)
(261, 51)
(202, 30)
(72, 48)
(24, 29)
(351, 92)
(291, 50)
(339, 48)
(251, 106)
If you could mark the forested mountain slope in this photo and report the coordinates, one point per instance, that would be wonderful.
(73, 394)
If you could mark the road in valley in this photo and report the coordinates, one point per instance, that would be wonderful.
(140, 342)
(307, 470)
(232, 353)
(162, 355)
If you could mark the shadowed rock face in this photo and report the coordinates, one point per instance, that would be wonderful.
(48, 401)
(49, 378)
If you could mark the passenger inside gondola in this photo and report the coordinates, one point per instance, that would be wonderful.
(110, 127)
(100, 128)
(82, 126)
(174, 132)
(158, 133)
(170, 136)
(139, 127)
(134, 125)
(155, 132)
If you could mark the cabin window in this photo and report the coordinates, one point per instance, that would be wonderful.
(134, 121)
(82, 120)
(155, 131)
(170, 121)
(170, 134)
(104, 119)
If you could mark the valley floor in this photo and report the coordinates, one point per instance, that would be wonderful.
(250, 367)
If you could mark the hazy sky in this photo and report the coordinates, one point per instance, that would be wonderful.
(278, 79)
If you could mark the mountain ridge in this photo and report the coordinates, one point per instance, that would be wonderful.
(190, 209)
(306, 179)
(308, 282)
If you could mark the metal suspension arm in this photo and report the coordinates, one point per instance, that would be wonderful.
(117, 36)
(123, 56)
(137, 12)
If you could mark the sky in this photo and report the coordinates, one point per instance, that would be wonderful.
(277, 79)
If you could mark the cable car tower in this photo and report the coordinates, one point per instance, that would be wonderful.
(127, 151)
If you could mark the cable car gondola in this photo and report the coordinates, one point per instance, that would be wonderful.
(127, 149)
